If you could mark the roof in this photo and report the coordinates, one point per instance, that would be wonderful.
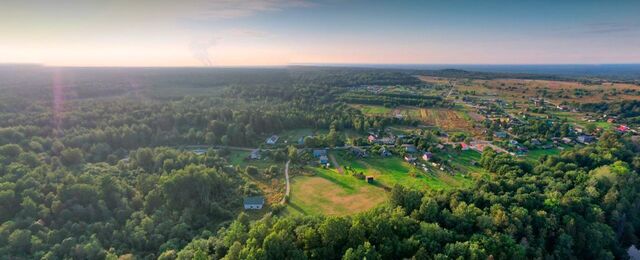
(254, 200)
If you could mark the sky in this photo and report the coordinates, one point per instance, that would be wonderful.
(281, 32)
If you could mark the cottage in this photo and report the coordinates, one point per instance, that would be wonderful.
(409, 148)
(427, 156)
(255, 154)
(324, 159)
(500, 134)
(359, 152)
(319, 152)
(585, 139)
(253, 202)
(272, 140)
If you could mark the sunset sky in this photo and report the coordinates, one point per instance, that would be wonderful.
(280, 32)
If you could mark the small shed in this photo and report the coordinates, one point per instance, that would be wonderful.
(369, 179)
(255, 202)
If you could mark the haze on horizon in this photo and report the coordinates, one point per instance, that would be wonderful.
(281, 32)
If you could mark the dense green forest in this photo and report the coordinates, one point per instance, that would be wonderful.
(91, 167)
(583, 204)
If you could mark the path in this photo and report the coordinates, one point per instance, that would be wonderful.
(335, 163)
(286, 176)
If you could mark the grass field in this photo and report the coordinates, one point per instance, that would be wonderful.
(535, 155)
(393, 170)
(331, 193)
(449, 120)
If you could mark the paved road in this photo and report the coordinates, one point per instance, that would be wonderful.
(286, 176)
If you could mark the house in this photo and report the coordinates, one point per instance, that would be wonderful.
(566, 140)
(272, 140)
(622, 128)
(500, 134)
(319, 152)
(585, 139)
(324, 159)
(301, 140)
(427, 156)
(387, 140)
(464, 146)
(409, 158)
(409, 148)
(384, 152)
(513, 142)
(253, 202)
(359, 152)
(199, 151)
(371, 138)
(369, 179)
(535, 142)
(255, 154)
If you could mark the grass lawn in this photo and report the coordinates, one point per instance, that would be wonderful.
(393, 170)
(536, 154)
(292, 136)
(331, 193)
(464, 161)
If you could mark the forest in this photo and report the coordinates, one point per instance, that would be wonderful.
(92, 167)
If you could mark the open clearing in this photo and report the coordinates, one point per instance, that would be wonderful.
(393, 170)
(331, 193)
(449, 120)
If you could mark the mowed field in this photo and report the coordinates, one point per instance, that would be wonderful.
(331, 193)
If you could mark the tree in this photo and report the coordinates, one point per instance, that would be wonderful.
(71, 156)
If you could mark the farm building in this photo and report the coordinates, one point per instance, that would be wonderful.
(272, 140)
(253, 202)
(319, 152)
(255, 154)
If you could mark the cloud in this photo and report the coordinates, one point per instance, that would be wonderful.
(225, 9)
(610, 27)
